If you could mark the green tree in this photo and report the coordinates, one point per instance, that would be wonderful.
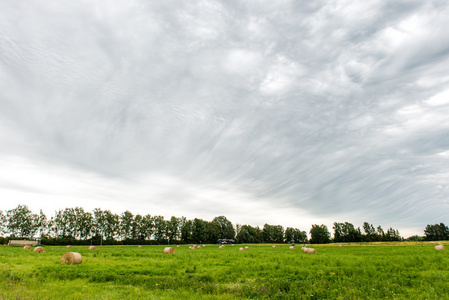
(126, 225)
(136, 233)
(212, 232)
(338, 232)
(319, 234)
(273, 233)
(370, 232)
(199, 231)
(392, 235)
(380, 233)
(84, 223)
(159, 228)
(146, 227)
(186, 230)
(345, 232)
(249, 234)
(244, 235)
(226, 229)
(299, 236)
(173, 230)
(436, 232)
(68, 219)
(415, 238)
(294, 235)
(106, 224)
(21, 221)
(42, 223)
(3, 223)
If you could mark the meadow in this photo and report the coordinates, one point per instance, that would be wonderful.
(354, 271)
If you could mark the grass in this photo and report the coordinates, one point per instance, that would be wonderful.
(355, 271)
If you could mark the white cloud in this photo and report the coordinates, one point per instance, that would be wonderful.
(439, 99)
(267, 112)
(241, 60)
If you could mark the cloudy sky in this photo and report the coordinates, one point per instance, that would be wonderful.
(281, 112)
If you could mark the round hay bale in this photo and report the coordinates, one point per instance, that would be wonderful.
(39, 250)
(92, 248)
(169, 250)
(71, 258)
(439, 247)
(27, 247)
(308, 250)
(69, 246)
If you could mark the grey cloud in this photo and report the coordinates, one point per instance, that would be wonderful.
(293, 103)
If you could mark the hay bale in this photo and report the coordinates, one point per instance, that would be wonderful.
(241, 249)
(69, 246)
(139, 246)
(273, 246)
(27, 247)
(292, 247)
(92, 248)
(204, 246)
(308, 250)
(22, 243)
(177, 246)
(439, 247)
(71, 258)
(169, 250)
(246, 248)
(39, 250)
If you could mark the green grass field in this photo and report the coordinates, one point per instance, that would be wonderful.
(374, 271)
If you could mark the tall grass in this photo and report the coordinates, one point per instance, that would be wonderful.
(116, 272)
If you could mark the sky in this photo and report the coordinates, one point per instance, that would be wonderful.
(289, 113)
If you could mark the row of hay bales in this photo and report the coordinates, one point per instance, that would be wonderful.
(37, 249)
(72, 258)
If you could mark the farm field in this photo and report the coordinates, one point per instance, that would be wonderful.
(354, 271)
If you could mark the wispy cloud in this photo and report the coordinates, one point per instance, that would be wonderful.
(286, 112)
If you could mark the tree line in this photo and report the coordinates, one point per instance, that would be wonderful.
(77, 226)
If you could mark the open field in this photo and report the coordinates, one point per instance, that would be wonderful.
(388, 271)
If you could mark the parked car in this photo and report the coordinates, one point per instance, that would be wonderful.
(226, 241)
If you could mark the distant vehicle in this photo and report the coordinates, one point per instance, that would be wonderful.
(226, 241)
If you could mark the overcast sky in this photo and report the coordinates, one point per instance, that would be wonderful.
(281, 112)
